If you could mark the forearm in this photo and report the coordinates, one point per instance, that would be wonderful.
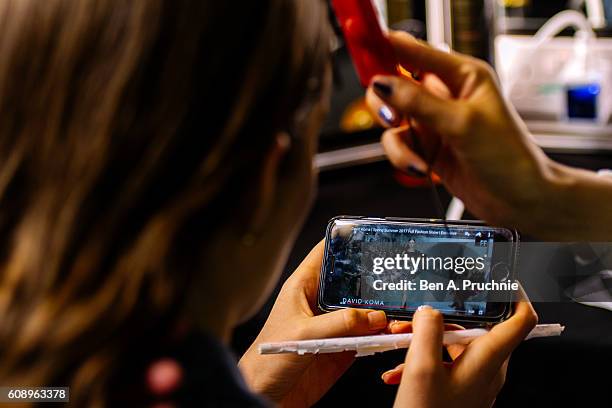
(575, 205)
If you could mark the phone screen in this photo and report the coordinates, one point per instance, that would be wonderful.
(463, 270)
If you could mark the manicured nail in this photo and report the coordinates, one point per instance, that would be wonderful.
(377, 320)
(386, 115)
(382, 89)
(387, 374)
(414, 172)
(424, 307)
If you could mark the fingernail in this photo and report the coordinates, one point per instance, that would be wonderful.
(424, 307)
(414, 172)
(386, 114)
(394, 323)
(382, 89)
(377, 320)
(388, 373)
(397, 323)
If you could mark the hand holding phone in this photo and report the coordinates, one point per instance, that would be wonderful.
(283, 378)
(474, 379)
(465, 270)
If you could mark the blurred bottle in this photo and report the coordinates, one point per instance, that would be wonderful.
(472, 27)
(399, 15)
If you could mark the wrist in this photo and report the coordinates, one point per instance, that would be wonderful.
(551, 213)
(522, 201)
(247, 371)
(580, 200)
(255, 375)
(527, 205)
(260, 380)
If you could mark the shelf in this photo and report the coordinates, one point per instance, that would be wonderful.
(563, 137)
(587, 143)
(350, 156)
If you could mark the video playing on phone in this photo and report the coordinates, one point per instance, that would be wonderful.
(465, 271)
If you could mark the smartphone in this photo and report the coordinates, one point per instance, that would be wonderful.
(466, 270)
(365, 36)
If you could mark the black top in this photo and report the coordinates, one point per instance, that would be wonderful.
(211, 376)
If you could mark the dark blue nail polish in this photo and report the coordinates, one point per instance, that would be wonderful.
(386, 115)
(382, 89)
(414, 172)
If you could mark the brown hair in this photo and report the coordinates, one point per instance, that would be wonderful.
(125, 128)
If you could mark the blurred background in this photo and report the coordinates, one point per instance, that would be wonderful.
(565, 105)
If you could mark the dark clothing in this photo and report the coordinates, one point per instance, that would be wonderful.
(211, 376)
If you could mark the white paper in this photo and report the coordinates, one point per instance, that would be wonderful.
(368, 345)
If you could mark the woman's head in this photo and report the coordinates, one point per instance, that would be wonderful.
(150, 151)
